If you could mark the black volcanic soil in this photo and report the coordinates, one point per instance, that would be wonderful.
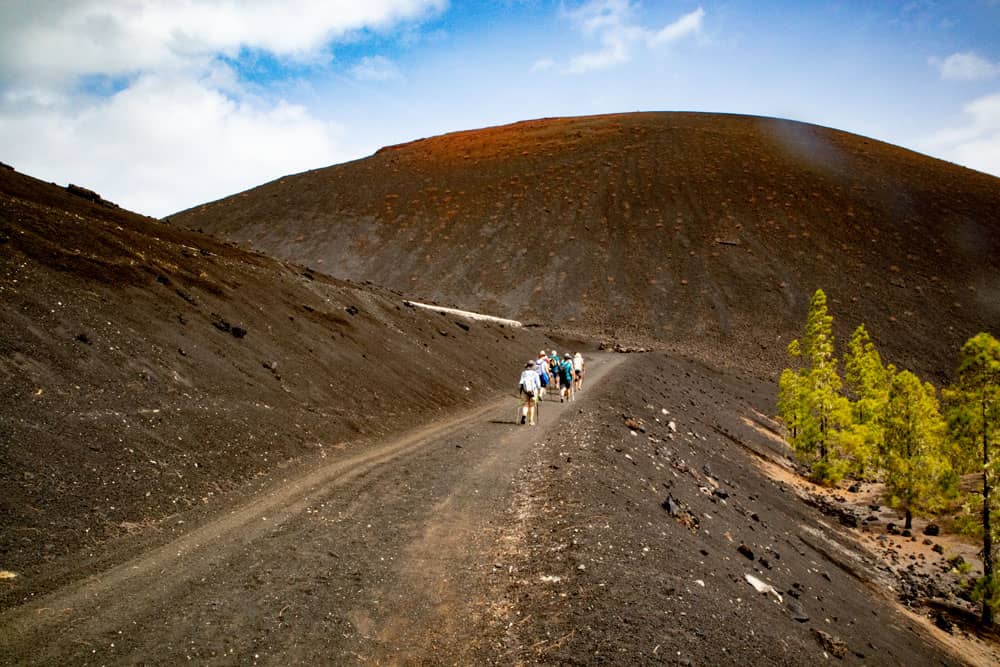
(704, 232)
(602, 572)
(149, 372)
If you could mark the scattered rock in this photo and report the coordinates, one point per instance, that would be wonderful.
(634, 425)
(854, 488)
(796, 610)
(745, 550)
(932, 529)
(187, 297)
(938, 549)
(352, 310)
(83, 338)
(672, 506)
(943, 622)
(761, 586)
(223, 325)
(831, 644)
(672, 426)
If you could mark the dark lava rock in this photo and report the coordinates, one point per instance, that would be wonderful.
(943, 622)
(83, 338)
(938, 549)
(672, 506)
(796, 610)
(352, 310)
(719, 493)
(906, 533)
(854, 488)
(746, 551)
(932, 529)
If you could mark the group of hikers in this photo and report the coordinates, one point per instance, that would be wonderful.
(548, 370)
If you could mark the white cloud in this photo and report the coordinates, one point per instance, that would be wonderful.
(612, 24)
(375, 68)
(975, 144)
(55, 39)
(166, 143)
(966, 66)
(170, 125)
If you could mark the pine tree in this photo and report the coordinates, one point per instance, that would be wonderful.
(790, 403)
(867, 381)
(974, 426)
(917, 474)
(819, 411)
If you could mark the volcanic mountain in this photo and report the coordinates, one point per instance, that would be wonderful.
(702, 232)
(211, 455)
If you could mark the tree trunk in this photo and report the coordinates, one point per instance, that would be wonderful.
(987, 530)
(909, 519)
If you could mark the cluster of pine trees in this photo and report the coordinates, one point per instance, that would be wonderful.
(881, 423)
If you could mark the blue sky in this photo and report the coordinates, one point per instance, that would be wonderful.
(164, 104)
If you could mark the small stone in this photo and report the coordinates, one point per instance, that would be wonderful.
(833, 645)
(746, 551)
(932, 529)
(796, 610)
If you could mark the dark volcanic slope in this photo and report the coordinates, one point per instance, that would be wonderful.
(708, 232)
(148, 371)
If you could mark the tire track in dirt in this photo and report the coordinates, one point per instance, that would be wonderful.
(374, 557)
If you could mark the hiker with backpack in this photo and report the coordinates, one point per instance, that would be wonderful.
(566, 378)
(529, 388)
(542, 368)
(554, 370)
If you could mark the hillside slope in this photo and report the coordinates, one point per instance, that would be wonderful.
(148, 372)
(703, 232)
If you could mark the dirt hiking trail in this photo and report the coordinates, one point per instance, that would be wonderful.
(379, 557)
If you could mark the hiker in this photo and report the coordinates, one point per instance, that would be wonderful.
(528, 388)
(554, 369)
(579, 368)
(542, 368)
(566, 378)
